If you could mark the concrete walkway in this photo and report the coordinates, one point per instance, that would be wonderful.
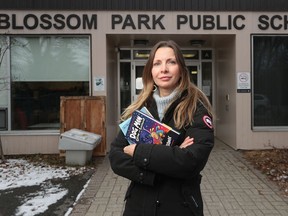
(230, 186)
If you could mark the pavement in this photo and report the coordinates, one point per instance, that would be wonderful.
(230, 186)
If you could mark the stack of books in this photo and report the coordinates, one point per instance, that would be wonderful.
(143, 128)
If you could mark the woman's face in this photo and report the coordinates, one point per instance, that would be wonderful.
(165, 70)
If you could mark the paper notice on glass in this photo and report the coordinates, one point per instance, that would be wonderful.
(206, 90)
(98, 84)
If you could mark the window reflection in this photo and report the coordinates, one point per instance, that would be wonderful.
(270, 66)
(36, 105)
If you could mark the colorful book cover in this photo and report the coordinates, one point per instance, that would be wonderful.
(147, 130)
(125, 124)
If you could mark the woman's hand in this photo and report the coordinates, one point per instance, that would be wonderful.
(129, 149)
(187, 142)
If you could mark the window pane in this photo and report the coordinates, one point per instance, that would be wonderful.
(4, 72)
(43, 69)
(193, 73)
(270, 101)
(125, 85)
(50, 59)
(207, 79)
(125, 54)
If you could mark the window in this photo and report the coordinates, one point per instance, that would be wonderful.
(4, 72)
(43, 69)
(3, 119)
(270, 66)
(125, 85)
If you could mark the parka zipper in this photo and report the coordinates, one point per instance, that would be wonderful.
(196, 204)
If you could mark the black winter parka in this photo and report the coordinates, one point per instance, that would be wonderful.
(165, 180)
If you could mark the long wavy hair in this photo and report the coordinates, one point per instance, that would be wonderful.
(184, 111)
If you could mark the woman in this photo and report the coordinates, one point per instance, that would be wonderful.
(166, 180)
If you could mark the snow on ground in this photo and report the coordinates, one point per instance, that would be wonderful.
(40, 202)
(17, 173)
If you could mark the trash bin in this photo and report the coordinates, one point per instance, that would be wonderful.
(78, 145)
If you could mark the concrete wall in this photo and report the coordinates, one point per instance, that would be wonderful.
(30, 144)
(112, 108)
(225, 90)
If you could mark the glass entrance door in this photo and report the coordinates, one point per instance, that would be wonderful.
(202, 77)
(195, 74)
(137, 72)
(130, 82)
(206, 82)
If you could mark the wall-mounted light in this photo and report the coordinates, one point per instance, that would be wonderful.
(141, 54)
(189, 55)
